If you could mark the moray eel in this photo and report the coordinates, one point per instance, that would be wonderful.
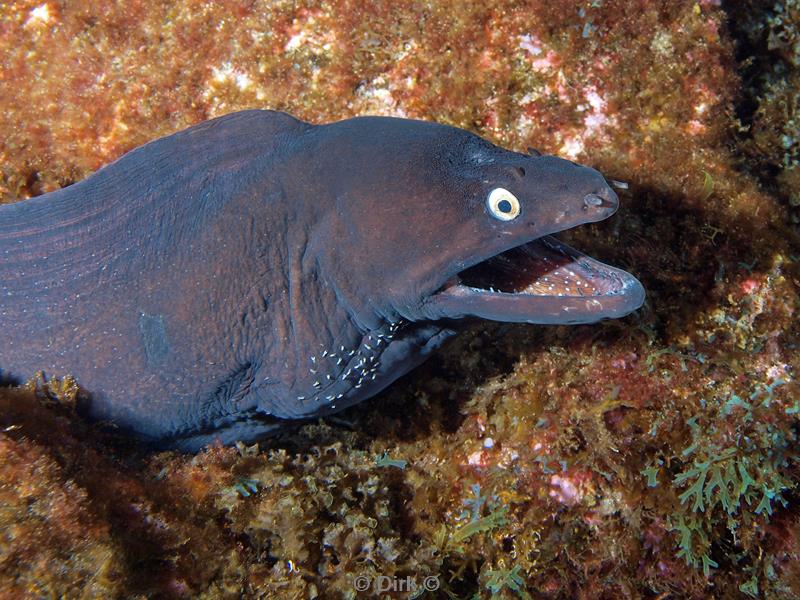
(255, 269)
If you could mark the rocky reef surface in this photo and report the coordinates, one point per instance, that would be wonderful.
(652, 457)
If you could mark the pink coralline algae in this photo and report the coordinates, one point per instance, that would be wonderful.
(652, 457)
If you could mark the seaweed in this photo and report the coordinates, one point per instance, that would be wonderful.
(649, 457)
(506, 579)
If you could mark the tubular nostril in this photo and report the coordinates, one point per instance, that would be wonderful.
(590, 200)
(605, 198)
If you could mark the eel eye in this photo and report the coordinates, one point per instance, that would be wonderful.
(502, 204)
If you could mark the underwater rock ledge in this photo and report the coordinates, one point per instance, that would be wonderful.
(653, 457)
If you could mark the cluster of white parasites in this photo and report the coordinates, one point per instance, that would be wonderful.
(358, 366)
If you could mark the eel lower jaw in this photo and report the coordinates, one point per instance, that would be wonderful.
(541, 282)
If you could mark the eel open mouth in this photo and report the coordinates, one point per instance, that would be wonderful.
(544, 281)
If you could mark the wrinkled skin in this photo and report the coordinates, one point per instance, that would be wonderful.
(255, 268)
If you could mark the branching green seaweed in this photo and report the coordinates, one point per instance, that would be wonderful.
(384, 460)
(488, 523)
(246, 487)
(739, 472)
(506, 579)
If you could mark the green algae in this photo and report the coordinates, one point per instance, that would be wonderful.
(506, 579)
(650, 457)
(384, 460)
(736, 486)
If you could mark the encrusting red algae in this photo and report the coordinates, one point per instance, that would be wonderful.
(649, 457)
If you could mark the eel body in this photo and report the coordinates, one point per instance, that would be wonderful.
(256, 269)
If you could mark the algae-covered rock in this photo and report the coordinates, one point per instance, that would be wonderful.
(652, 457)
(769, 48)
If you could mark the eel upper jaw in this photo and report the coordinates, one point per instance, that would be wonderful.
(543, 282)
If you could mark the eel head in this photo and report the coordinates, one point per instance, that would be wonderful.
(524, 274)
(444, 225)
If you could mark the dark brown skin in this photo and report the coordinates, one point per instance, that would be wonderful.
(256, 269)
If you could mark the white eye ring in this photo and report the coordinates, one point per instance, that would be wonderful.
(502, 204)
